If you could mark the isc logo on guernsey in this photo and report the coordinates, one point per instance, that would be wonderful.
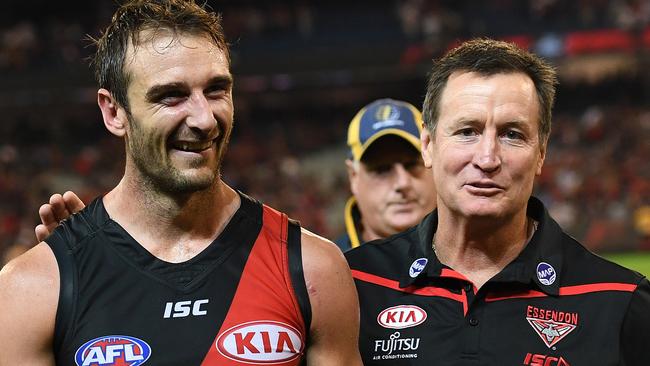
(260, 342)
(113, 350)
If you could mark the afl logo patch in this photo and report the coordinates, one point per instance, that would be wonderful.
(261, 342)
(546, 273)
(417, 267)
(113, 350)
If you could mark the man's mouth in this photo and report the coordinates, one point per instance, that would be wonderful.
(192, 146)
(484, 184)
(402, 204)
(483, 188)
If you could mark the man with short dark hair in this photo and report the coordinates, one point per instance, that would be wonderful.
(489, 278)
(172, 266)
(391, 189)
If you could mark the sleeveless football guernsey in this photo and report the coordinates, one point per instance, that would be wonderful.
(241, 301)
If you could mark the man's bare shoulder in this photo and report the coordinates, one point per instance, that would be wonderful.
(32, 277)
(29, 292)
(320, 252)
(322, 261)
(335, 307)
(35, 268)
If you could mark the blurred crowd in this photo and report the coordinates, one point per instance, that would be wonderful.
(596, 178)
(56, 35)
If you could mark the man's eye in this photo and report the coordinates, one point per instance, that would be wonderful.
(467, 132)
(514, 135)
(413, 165)
(380, 169)
(214, 91)
(171, 99)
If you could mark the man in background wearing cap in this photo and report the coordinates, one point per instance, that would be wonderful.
(391, 189)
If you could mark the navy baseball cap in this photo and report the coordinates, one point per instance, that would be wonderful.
(380, 118)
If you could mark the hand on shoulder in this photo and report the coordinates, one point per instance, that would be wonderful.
(58, 208)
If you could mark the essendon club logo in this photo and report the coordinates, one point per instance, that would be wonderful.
(551, 332)
(261, 342)
(551, 325)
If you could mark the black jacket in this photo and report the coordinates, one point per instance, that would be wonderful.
(555, 304)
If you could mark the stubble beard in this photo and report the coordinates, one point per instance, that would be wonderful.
(157, 171)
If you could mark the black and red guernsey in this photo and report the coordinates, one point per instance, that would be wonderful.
(242, 301)
(556, 304)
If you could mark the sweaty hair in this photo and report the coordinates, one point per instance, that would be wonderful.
(488, 57)
(136, 16)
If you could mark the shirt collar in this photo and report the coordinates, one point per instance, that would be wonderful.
(540, 263)
(421, 251)
(352, 217)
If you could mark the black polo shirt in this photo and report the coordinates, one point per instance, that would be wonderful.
(555, 304)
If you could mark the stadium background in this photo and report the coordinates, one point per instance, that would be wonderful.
(302, 69)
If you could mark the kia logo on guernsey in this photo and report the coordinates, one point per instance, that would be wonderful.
(260, 342)
(546, 273)
(113, 350)
(417, 267)
(401, 316)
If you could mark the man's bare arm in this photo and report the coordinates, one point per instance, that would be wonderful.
(335, 307)
(60, 207)
(29, 293)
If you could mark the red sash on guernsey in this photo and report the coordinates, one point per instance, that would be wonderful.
(264, 324)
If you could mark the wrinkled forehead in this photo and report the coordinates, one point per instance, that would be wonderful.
(158, 44)
(165, 56)
(514, 90)
(504, 79)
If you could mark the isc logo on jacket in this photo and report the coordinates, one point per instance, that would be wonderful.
(263, 342)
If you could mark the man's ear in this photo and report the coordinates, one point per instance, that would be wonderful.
(114, 115)
(352, 174)
(426, 144)
(542, 156)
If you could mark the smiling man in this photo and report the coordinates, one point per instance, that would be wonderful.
(172, 266)
(489, 278)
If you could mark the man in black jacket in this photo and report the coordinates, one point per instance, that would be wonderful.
(489, 278)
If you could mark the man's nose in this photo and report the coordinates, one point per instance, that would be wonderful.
(201, 117)
(402, 176)
(486, 156)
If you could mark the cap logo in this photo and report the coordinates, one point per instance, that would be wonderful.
(387, 112)
(417, 267)
(387, 116)
(546, 273)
